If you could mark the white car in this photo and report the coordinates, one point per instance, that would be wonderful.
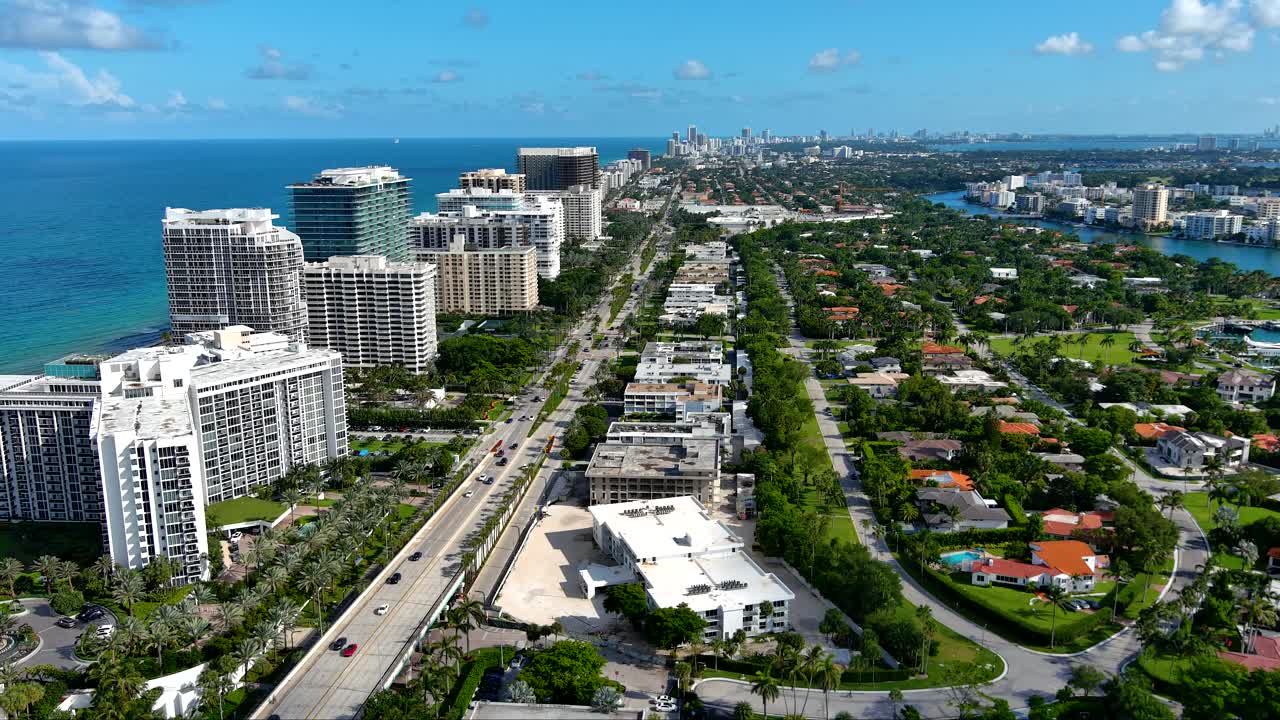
(235, 536)
(665, 707)
(665, 699)
(468, 493)
(104, 631)
(381, 609)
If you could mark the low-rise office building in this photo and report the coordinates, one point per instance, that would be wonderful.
(683, 556)
(622, 472)
(696, 426)
(678, 399)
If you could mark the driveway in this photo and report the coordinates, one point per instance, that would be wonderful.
(56, 644)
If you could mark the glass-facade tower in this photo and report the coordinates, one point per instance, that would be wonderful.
(353, 211)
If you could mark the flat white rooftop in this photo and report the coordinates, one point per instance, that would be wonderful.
(711, 582)
(666, 528)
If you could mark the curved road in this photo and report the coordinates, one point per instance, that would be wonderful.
(1027, 672)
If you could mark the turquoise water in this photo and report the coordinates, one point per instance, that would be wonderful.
(80, 221)
(1244, 257)
(956, 559)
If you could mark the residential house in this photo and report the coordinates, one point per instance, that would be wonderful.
(1245, 386)
(886, 364)
(1004, 273)
(1064, 523)
(1005, 412)
(1066, 462)
(1152, 432)
(930, 348)
(878, 385)
(1190, 450)
(971, 380)
(942, 478)
(943, 449)
(952, 509)
(1019, 428)
(1068, 564)
(942, 364)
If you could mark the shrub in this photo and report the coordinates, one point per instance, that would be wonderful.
(66, 602)
(1018, 515)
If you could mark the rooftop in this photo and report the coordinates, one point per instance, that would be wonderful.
(693, 456)
(710, 582)
(353, 177)
(666, 528)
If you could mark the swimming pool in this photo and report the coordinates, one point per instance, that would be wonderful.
(958, 558)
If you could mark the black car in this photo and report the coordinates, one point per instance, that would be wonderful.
(338, 644)
(66, 622)
(416, 556)
(394, 579)
(91, 614)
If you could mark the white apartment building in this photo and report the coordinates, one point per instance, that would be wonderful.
(680, 400)
(696, 426)
(682, 555)
(619, 473)
(484, 282)
(1150, 205)
(712, 251)
(232, 267)
(48, 458)
(372, 311)
(583, 210)
(1268, 208)
(695, 298)
(539, 224)
(1211, 225)
(581, 206)
(142, 442)
(666, 368)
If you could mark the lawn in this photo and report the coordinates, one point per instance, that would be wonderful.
(374, 445)
(1093, 351)
(1018, 603)
(245, 509)
(1263, 310)
(841, 525)
(1197, 503)
(26, 541)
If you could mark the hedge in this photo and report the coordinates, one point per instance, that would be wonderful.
(405, 417)
(1018, 515)
(848, 676)
(974, 536)
(1009, 626)
(472, 673)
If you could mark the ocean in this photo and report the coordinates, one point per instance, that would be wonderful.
(83, 269)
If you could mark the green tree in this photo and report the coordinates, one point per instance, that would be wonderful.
(766, 687)
(1086, 678)
(568, 672)
(10, 571)
(672, 627)
(628, 600)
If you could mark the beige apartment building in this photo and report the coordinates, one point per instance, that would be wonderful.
(494, 179)
(484, 282)
(1150, 205)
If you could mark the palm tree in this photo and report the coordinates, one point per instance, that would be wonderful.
(275, 578)
(1255, 611)
(200, 595)
(472, 614)
(1172, 501)
(895, 697)
(766, 686)
(924, 614)
(68, 570)
(159, 634)
(828, 679)
(10, 571)
(128, 590)
(47, 566)
(195, 628)
(229, 614)
(313, 581)
(215, 681)
(1055, 595)
(289, 615)
(246, 651)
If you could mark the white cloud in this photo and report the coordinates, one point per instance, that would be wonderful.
(307, 106)
(692, 70)
(273, 67)
(216, 103)
(1130, 44)
(1266, 13)
(446, 76)
(1191, 29)
(1269, 101)
(1065, 44)
(65, 25)
(102, 90)
(177, 101)
(831, 59)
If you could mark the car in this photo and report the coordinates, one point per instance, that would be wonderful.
(416, 556)
(386, 438)
(490, 481)
(501, 463)
(394, 579)
(349, 650)
(104, 631)
(513, 445)
(93, 614)
(482, 477)
(235, 536)
(510, 420)
(381, 609)
(404, 429)
(468, 493)
(517, 662)
(66, 622)
(1094, 604)
(664, 699)
(665, 707)
(338, 644)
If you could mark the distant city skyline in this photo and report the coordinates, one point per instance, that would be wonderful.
(93, 69)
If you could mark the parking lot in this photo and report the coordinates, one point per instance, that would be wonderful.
(543, 586)
(56, 643)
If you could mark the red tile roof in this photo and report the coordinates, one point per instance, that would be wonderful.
(1270, 443)
(1156, 430)
(1010, 568)
(827, 273)
(944, 478)
(1018, 428)
(1250, 662)
(1065, 556)
(936, 349)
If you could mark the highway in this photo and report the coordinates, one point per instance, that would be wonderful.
(325, 684)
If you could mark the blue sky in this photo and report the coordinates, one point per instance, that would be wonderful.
(287, 68)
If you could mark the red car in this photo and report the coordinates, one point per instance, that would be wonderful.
(349, 650)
